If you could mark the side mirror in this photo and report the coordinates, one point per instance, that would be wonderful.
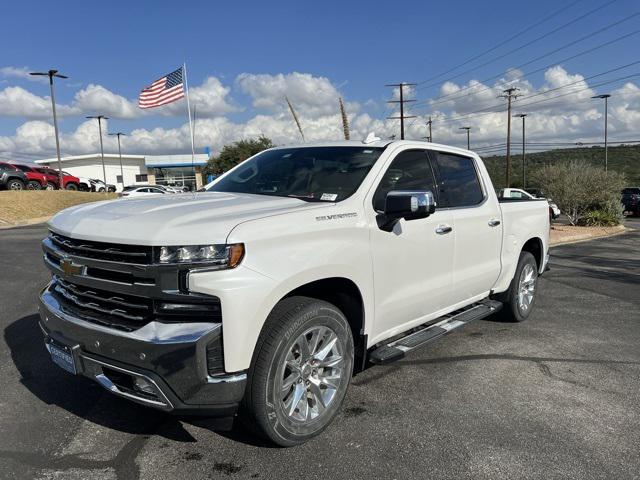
(410, 205)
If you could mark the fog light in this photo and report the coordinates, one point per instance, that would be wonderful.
(144, 386)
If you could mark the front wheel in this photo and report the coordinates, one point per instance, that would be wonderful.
(34, 185)
(50, 186)
(71, 186)
(300, 371)
(519, 300)
(15, 184)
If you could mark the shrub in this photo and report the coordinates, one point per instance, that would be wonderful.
(580, 189)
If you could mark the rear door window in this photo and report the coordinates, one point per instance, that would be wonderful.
(458, 182)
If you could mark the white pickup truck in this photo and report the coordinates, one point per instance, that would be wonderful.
(293, 271)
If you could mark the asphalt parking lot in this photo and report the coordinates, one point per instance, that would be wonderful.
(555, 397)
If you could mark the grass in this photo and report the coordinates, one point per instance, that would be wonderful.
(21, 206)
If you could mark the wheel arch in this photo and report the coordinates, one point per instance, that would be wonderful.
(345, 294)
(535, 247)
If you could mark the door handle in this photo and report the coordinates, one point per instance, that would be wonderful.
(443, 229)
(494, 223)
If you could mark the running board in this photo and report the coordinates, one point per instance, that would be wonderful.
(398, 348)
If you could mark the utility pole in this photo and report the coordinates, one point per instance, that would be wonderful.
(430, 137)
(510, 94)
(524, 162)
(401, 101)
(606, 118)
(119, 134)
(104, 170)
(468, 138)
(51, 74)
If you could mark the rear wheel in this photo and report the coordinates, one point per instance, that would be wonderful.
(520, 298)
(50, 186)
(34, 185)
(300, 372)
(15, 184)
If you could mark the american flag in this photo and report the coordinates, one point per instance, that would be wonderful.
(165, 90)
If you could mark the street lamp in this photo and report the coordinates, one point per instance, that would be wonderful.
(119, 134)
(468, 140)
(606, 116)
(51, 74)
(524, 165)
(104, 170)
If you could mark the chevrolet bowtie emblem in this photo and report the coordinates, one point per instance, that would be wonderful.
(70, 268)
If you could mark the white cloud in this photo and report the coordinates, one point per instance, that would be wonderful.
(311, 96)
(96, 99)
(18, 102)
(572, 117)
(22, 73)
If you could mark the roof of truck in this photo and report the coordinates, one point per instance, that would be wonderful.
(377, 144)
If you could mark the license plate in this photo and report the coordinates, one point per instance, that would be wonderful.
(62, 357)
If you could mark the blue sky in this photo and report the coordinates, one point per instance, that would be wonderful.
(356, 46)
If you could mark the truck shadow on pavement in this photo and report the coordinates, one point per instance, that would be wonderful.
(79, 395)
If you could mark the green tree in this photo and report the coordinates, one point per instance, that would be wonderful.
(237, 152)
(586, 194)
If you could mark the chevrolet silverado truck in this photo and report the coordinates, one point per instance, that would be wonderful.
(263, 295)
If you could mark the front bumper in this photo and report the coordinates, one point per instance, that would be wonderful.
(169, 358)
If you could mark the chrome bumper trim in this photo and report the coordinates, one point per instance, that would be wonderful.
(153, 332)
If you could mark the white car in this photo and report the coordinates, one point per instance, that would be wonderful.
(143, 191)
(518, 193)
(294, 270)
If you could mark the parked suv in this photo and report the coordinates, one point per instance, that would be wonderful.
(631, 200)
(69, 182)
(35, 179)
(11, 178)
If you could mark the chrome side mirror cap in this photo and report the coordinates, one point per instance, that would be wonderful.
(410, 205)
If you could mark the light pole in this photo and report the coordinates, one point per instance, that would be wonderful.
(119, 134)
(524, 165)
(104, 170)
(606, 117)
(468, 139)
(51, 74)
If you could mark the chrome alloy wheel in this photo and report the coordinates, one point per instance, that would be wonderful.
(311, 375)
(526, 287)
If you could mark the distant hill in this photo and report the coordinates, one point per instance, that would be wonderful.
(623, 158)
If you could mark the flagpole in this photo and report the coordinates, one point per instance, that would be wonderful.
(193, 150)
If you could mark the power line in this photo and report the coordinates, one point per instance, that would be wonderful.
(453, 96)
(531, 42)
(504, 42)
(401, 101)
(491, 109)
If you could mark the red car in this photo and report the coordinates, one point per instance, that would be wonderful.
(69, 182)
(35, 179)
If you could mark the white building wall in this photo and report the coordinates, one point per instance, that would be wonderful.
(92, 168)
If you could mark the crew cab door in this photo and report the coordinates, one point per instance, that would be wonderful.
(412, 264)
(477, 222)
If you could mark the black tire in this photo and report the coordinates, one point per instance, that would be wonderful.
(71, 186)
(15, 184)
(34, 185)
(263, 410)
(50, 186)
(513, 310)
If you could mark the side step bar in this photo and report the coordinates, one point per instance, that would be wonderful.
(398, 348)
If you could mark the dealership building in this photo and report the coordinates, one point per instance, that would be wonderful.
(137, 169)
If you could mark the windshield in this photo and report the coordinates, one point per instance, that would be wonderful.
(319, 174)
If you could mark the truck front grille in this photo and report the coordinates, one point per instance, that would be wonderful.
(138, 254)
(130, 312)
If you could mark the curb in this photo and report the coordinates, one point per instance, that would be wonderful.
(587, 237)
(24, 223)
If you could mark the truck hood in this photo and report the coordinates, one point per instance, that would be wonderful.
(171, 219)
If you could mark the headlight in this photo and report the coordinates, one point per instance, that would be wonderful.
(219, 256)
